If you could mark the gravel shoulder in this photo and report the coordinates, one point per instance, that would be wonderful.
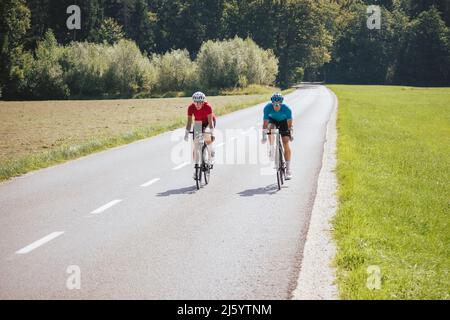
(316, 280)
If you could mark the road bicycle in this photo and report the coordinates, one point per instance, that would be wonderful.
(202, 164)
(280, 162)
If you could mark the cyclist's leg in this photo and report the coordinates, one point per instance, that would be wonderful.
(287, 157)
(285, 137)
(287, 150)
(209, 145)
(212, 149)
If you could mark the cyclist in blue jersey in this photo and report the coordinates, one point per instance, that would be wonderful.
(278, 115)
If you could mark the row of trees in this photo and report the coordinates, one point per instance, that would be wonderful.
(320, 39)
(412, 47)
(84, 69)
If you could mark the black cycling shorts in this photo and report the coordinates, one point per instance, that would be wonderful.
(206, 124)
(282, 126)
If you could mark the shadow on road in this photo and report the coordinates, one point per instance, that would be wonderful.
(270, 189)
(187, 190)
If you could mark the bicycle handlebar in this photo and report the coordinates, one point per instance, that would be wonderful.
(280, 132)
(202, 132)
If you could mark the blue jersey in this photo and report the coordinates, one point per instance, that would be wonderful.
(285, 113)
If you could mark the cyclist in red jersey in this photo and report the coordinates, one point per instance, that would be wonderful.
(202, 111)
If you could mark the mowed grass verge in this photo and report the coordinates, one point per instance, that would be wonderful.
(393, 171)
(38, 134)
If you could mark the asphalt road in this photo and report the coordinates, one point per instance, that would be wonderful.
(132, 223)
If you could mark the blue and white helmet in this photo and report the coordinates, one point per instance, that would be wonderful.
(277, 97)
(198, 97)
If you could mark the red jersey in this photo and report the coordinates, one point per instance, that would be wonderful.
(202, 114)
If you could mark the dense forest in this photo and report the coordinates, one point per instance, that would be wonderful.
(313, 40)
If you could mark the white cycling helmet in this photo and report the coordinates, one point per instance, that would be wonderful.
(198, 97)
(277, 97)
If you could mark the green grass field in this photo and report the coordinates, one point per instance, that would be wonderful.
(38, 134)
(394, 191)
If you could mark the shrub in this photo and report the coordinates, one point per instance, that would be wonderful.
(235, 63)
(129, 72)
(85, 67)
(45, 79)
(176, 71)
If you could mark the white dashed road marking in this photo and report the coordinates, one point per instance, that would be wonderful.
(150, 182)
(106, 206)
(39, 242)
(184, 164)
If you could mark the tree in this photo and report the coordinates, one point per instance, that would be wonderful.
(414, 7)
(142, 27)
(302, 39)
(14, 23)
(40, 21)
(361, 55)
(425, 56)
(110, 31)
(186, 24)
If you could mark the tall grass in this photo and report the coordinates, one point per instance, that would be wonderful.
(394, 172)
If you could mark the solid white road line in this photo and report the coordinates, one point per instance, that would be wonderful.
(106, 206)
(184, 164)
(39, 242)
(150, 182)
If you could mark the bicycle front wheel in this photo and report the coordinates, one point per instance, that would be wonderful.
(198, 176)
(279, 179)
(205, 164)
(281, 167)
(207, 173)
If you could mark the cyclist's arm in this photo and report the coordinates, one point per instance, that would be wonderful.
(210, 121)
(266, 117)
(289, 118)
(189, 123)
(289, 122)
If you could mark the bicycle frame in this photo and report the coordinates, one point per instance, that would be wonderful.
(200, 146)
(199, 142)
(280, 163)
